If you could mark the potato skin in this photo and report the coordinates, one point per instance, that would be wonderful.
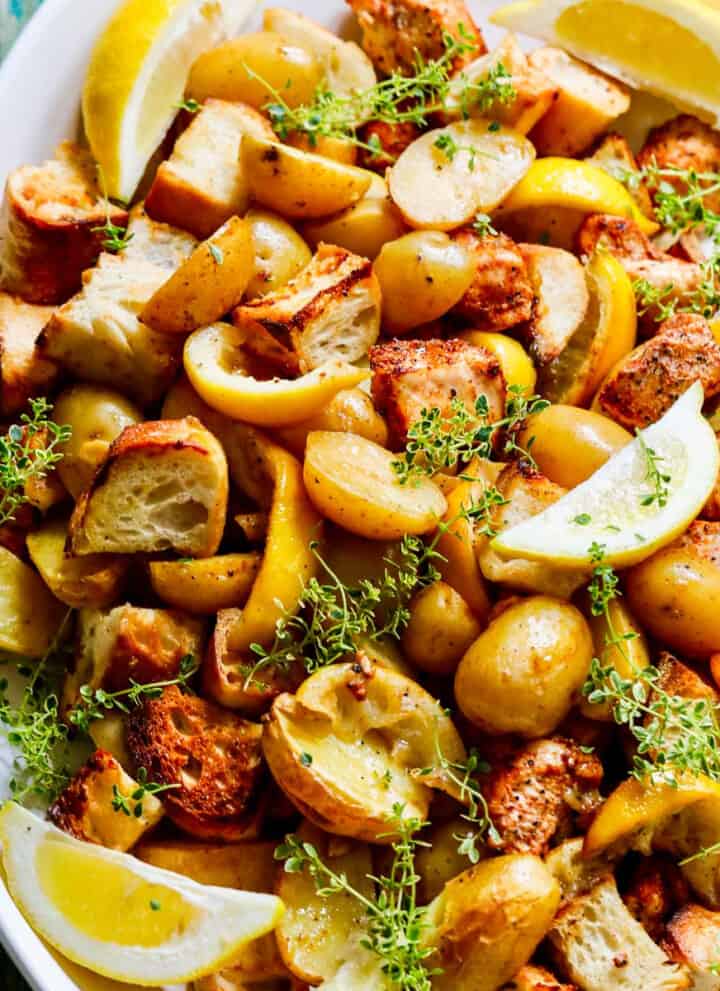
(350, 411)
(422, 275)
(441, 628)
(522, 674)
(205, 586)
(363, 228)
(280, 253)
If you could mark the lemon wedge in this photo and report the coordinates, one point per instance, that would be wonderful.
(137, 75)
(120, 917)
(612, 507)
(567, 183)
(669, 47)
(221, 374)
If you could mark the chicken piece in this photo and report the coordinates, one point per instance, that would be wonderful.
(692, 939)
(24, 372)
(98, 337)
(531, 978)
(202, 184)
(153, 241)
(211, 755)
(393, 139)
(614, 156)
(684, 143)
(501, 295)
(395, 32)
(588, 102)
(330, 310)
(650, 379)
(51, 219)
(656, 890)
(97, 806)
(532, 797)
(561, 300)
(526, 492)
(410, 376)
(677, 678)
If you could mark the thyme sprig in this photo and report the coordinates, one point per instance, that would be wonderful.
(664, 302)
(396, 924)
(132, 805)
(28, 451)
(115, 237)
(657, 479)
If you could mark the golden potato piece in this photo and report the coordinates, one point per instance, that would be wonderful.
(298, 183)
(345, 746)
(249, 866)
(208, 585)
(350, 411)
(447, 176)
(94, 581)
(351, 481)
(280, 253)
(363, 228)
(30, 616)
(440, 629)
(441, 860)
(24, 372)
(207, 285)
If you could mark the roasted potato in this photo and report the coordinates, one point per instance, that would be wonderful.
(280, 253)
(363, 228)
(249, 866)
(24, 372)
(524, 672)
(208, 585)
(447, 176)
(345, 746)
(30, 615)
(298, 183)
(351, 481)
(441, 860)
(440, 629)
(208, 285)
(350, 411)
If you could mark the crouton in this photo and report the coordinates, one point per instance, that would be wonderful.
(649, 380)
(561, 300)
(202, 185)
(532, 95)
(588, 102)
(24, 372)
(395, 32)
(600, 947)
(693, 940)
(330, 310)
(530, 978)
(89, 807)
(684, 143)
(117, 646)
(575, 873)
(677, 678)
(501, 295)
(163, 486)
(213, 757)
(614, 156)
(108, 734)
(410, 376)
(98, 337)
(162, 244)
(532, 797)
(526, 492)
(656, 889)
(51, 217)
(392, 138)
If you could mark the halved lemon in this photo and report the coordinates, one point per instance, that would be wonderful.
(121, 917)
(221, 375)
(669, 47)
(137, 75)
(617, 507)
(567, 183)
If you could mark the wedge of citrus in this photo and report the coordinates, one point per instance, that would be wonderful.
(569, 184)
(137, 75)
(223, 376)
(640, 500)
(669, 47)
(121, 917)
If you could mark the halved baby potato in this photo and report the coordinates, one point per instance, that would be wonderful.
(349, 745)
(351, 481)
(30, 616)
(363, 228)
(205, 586)
(448, 175)
(299, 183)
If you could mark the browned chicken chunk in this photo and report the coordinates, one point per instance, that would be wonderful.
(656, 890)
(684, 143)
(501, 294)
(531, 978)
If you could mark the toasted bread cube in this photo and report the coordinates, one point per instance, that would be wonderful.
(615, 157)
(24, 372)
(156, 242)
(410, 376)
(684, 143)
(501, 295)
(163, 486)
(213, 756)
(526, 492)
(98, 337)
(531, 978)
(692, 938)
(534, 92)
(600, 947)
(85, 808)
(108, 734)
(330, 310)
(396, 32)
(646, 384)
(677, 678)
(202, 185)
(561, 299)
(588, 102)
(51, 217)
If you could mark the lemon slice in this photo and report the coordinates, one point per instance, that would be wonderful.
(570, 184)
(137, 75)
(221, 375)
(669, 47)
(611, 507)
(121, 917)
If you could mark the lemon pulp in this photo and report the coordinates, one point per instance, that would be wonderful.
(106, 903)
